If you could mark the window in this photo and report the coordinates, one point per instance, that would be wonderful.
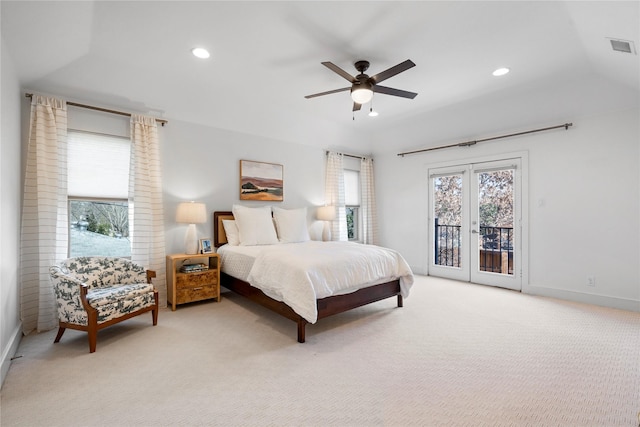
(98, 183)
(352, 202)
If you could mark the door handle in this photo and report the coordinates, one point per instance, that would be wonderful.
(474, 231)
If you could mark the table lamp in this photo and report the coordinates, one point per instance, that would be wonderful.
(326, 214)
(191, 213)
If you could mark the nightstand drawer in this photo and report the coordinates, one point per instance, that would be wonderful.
(196, 280)
(197, 293)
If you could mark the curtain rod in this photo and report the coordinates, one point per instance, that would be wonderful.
(473, 142)
(104, 110)
(350, 155)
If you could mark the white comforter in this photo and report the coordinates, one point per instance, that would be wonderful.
(300, 273)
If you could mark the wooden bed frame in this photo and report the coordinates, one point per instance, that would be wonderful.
(326, 306)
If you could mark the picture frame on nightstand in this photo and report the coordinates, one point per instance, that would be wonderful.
(205, 246)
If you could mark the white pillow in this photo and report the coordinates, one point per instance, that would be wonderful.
(291, 224)
(255, 226)
(231, 230)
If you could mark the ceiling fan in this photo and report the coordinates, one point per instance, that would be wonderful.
(362, 86)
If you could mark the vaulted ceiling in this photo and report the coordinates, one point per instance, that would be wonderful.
(266, 56)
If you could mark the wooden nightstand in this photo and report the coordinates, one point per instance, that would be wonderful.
(183, 288)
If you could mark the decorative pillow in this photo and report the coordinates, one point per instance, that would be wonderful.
(231, 230)
(255, 226)
(291, 225)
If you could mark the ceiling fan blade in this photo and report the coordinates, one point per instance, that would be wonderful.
(333, 67)
(356, 106)
(394, 92)
(329, 92)
(397, 69)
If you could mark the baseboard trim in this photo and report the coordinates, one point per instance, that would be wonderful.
(10, 352)
(600, 300)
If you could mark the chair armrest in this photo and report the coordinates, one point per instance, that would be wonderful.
(150, 275)
(84, 288)
(66, 287)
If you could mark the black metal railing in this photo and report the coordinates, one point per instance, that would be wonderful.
(496, 249)
(447, 244)
(496, 252)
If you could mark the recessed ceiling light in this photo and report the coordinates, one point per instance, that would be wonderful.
(200, 52)
(500, 72)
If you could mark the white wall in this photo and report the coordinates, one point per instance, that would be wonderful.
(203, 164)
(583, 197)
(10, 205)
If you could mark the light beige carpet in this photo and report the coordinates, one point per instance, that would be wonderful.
(456, 354)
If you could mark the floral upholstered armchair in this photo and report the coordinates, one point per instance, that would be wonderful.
(95, 292)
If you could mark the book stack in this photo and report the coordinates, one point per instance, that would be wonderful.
(193, 268)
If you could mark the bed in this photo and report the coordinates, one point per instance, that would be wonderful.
(234, 279)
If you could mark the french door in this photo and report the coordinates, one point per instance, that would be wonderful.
(475, 223)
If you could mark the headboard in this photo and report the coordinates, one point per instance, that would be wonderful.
(219, 236)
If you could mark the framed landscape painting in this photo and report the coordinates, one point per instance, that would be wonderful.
(261, 181)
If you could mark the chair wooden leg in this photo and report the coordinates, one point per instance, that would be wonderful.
(60, 332)
(92, 330)
(154, 312)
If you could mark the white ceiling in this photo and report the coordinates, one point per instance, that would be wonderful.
(266, 57)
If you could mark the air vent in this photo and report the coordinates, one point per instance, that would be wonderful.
(624, 46)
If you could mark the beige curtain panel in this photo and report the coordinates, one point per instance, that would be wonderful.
(368, 203)
(146, 214)
(44, 236)
(334, 195)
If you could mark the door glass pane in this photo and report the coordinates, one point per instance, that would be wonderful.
(447, 192)
(496, 214)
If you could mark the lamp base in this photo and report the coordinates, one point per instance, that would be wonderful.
(191, 240)
(326, 232)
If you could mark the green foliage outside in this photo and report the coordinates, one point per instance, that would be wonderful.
(98, 227)
(350, 223)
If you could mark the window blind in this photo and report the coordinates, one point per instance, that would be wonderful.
(98, 165)
(351, 187)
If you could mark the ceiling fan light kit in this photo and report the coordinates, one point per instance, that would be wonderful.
(363, 86)
(361, 95)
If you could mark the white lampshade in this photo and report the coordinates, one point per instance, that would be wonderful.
(326, 213)
(191, 213)
(361, 95)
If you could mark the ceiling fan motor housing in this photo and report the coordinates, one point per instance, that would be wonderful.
(362, 80)
(362, 66)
